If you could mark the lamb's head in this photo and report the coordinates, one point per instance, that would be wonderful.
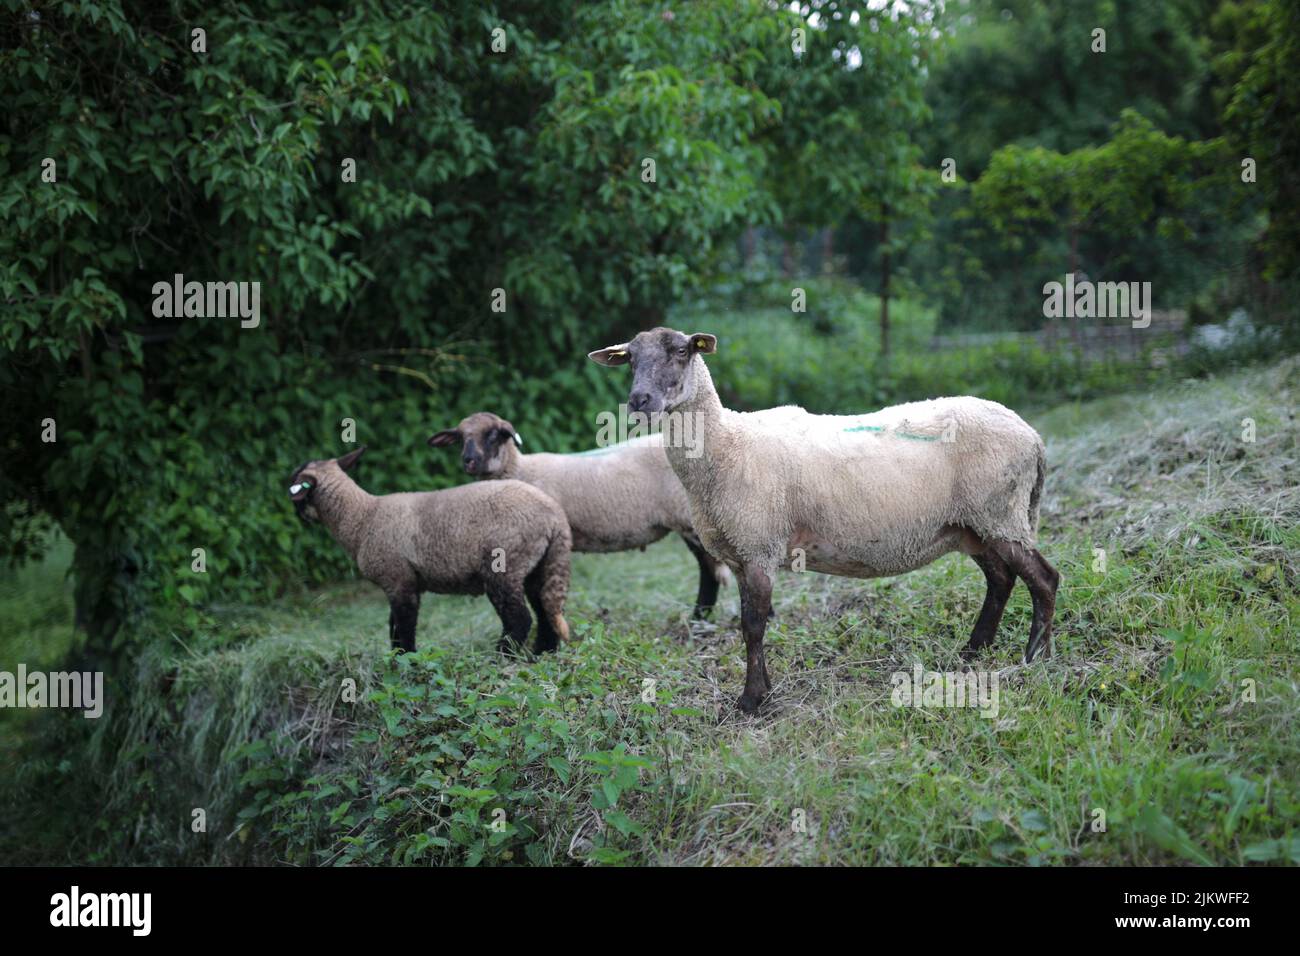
(488, 444)
(309, 478)
(664, 367)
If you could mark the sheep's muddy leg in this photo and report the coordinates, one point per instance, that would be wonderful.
(403, 616)
(551, 626)
(755, 604)
(1042, 580)
(708, 593)
(1000, 580)
(547, 587)
(547, 639)
(508, 600)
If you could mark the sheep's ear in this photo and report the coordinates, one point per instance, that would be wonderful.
(508, 432)
(614, 355)
(444, 438)
(350, 459)
(704, 343)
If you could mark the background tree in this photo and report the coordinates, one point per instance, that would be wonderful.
(497, 147)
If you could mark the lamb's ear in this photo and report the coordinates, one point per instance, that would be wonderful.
(444, 438)
(614, 355)
(508, 432)
(350, 459)
(704, 343)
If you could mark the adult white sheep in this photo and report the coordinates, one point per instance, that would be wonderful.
(860, 496)
(616, 498)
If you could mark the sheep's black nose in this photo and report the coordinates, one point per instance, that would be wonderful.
(638, 400)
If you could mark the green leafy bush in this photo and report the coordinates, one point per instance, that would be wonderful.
(468, 770)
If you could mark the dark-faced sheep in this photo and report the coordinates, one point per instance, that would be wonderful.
(861, 496)
(616, 498)
(506, 539)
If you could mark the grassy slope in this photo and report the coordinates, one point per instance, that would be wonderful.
(1140, 715)
(35, 628)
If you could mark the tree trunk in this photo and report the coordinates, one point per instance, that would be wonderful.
(97, 605)
(648, 316)
(886, 265)
(1075, 333)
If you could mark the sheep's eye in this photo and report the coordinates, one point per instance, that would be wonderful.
(681, 350)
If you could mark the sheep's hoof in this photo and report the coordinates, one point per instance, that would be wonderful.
(749, 704)
(508, 648)
(1037, 653)
(1038, 649)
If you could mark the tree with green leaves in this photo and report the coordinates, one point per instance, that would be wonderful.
(442, 205)
(846, 150)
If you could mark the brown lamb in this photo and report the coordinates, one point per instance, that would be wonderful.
(505, 539)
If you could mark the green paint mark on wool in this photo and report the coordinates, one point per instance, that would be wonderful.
(879, 428)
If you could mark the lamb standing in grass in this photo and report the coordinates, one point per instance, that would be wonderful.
(860, 496)
(617, 498)
(505, 539)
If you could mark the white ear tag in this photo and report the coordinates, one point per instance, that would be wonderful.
(518, 440)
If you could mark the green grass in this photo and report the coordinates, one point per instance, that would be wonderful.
(35, 628)
(1140, 715)
(36, 609)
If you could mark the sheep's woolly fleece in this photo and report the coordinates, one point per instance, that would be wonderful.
(861, 495)
(442, 541)
(616, 497)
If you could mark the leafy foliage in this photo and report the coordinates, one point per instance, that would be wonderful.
(478, 167)
(463, 771)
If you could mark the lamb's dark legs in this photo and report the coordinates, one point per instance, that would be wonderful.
(508, 600)
(403, 616)
(708, 593)
(547, 638)
(1042, 580)
(755, 605)
(1000, 580)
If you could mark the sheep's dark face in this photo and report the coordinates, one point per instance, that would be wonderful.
(487, 444)
(663, 367)
(306, 480)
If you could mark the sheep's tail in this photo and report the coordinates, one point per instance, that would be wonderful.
(1036, 495)
(553, 575)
